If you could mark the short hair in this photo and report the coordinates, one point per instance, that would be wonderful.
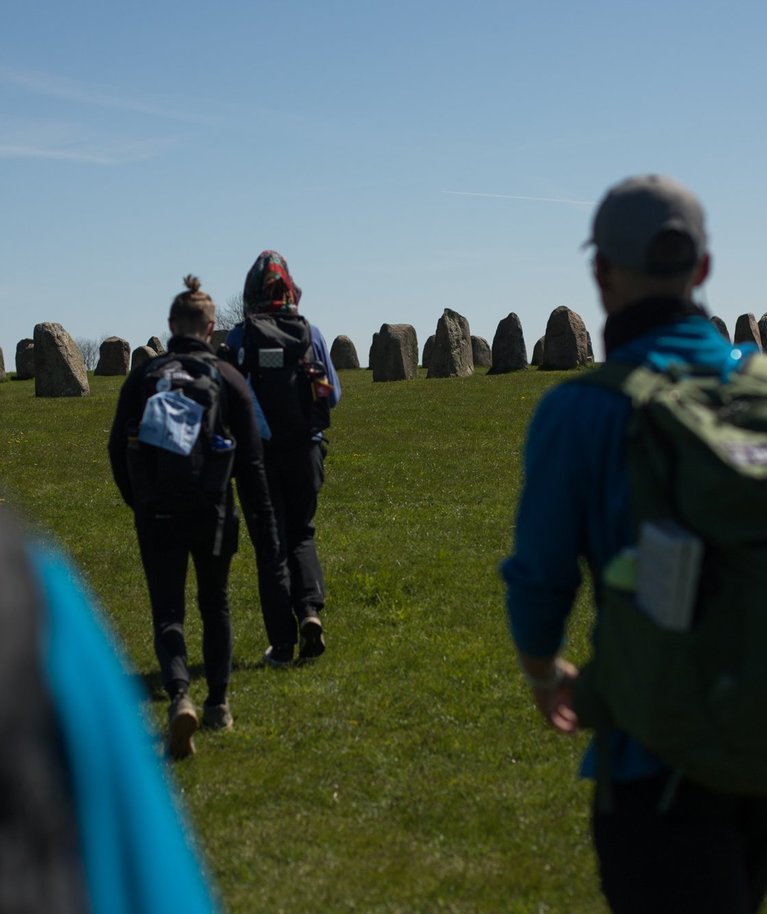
(193, 309)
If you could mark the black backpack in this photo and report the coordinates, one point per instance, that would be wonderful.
(288, 382)
(165, 481)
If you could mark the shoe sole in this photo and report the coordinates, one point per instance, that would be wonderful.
(180, 732)
(312, 639)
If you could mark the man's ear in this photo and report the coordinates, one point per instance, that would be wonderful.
(702, 270)
(601, 270)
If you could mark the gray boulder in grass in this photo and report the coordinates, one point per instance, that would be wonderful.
(566, 343)
(394, 353)
(59, 366)
(114, 357)
(452, 355)
(343, 354)
(509, 352)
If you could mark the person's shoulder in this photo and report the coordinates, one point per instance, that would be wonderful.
(231, 375)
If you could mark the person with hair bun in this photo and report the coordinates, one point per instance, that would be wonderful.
(160, 401)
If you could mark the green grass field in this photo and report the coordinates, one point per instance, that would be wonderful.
(406, 770)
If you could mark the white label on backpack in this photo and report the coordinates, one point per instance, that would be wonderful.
(746, 455)
(171, 421)
(271, 358)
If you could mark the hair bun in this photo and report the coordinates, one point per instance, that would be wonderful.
(192, 283)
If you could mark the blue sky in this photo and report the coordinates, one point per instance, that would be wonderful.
(404, 157)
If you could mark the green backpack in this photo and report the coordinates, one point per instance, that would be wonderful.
(695, 697)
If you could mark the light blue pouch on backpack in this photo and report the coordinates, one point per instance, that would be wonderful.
(171, 421)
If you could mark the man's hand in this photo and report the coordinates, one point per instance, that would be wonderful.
(552, 682)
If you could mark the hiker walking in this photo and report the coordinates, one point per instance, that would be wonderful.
(287, 363)
(185, 424)
(611, 468)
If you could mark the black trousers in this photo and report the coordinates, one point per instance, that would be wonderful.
(166, 544)
(707, 854)
(295, 477)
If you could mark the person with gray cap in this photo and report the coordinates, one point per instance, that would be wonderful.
(703, 851)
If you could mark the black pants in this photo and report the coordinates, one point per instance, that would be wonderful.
(165, 545)
(706, 855)
(295, 477)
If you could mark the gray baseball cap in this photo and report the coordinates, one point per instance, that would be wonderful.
(636, 211)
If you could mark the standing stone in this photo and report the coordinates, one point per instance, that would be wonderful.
(722, 327)
(394, 353)
(567, 344)
(428, 350)
(589, 348)
(2, 366)
(140, 355)
(762, 325)
(59, 366)
(451, 357)
(372, 350)
(509, 352)
(747, 330)
(343, 353)
(25, 360)
(154, 342)
(114, 357)
(480, 351)
(538, 352)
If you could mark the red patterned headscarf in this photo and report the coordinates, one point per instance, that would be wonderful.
(269, 285)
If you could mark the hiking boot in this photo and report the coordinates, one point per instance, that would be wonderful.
(217, 717)
(182, 724)
(311, 641)
(278, 656)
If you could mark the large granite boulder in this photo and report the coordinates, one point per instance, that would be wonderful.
(508, 352)
(343, 354)
(537, 358)
(140, 355)
(154, 342)
(428, 350)
(2, 366)
(451, 356)
(722, 327)
(480, 351)
(114, 357)
(567, 342)
(394, 353)
(747, 330)
(59, 366)
(25, 360)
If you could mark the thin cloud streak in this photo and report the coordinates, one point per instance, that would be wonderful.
(566, 200)
(102, 97)
(86, 156)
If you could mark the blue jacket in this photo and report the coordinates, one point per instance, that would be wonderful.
(132, 833)
(575, 501)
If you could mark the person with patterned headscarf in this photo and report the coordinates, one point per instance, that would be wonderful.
(292, 599)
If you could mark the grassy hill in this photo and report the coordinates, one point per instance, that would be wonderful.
(406, 770)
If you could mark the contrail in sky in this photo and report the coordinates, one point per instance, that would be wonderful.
(466, 193)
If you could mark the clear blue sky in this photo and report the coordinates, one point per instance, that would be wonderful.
(404, 156)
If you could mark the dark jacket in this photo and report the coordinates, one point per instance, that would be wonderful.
(238, 417)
